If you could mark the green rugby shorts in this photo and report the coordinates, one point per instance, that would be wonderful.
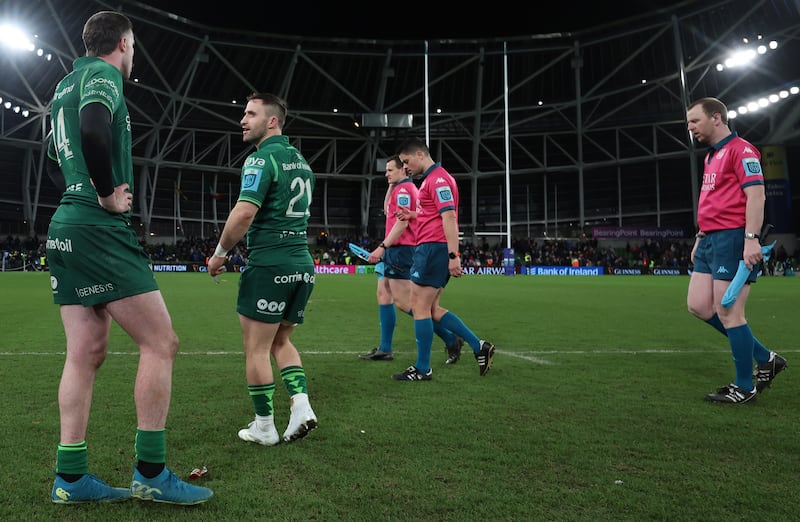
(276, 293)
(91, 265)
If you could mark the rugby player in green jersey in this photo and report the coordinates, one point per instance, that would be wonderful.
(272, 212)
(100, 273)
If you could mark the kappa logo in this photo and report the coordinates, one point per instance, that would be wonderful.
(721, 154)
(722, 270)
(748, 149)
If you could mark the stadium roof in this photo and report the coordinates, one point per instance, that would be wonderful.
(433, 19)
(544, 102)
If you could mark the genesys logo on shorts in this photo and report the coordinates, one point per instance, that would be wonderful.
(62, 245)
(265, 306)
(297, 277)
(94, 289)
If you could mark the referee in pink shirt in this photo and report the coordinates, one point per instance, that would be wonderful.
(730, 214)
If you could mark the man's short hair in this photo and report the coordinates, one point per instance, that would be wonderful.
(412, 145)
(103, 30)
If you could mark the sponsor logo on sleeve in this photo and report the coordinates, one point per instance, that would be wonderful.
(444, 194)
(251, 177)
(752, 167)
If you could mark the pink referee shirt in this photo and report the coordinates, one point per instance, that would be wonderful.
(404, 195)
(730, 166)
(437, 194)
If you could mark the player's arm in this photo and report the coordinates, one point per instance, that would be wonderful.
(96, 146)
(394, 234)
(450, 226)
(239, 220)
(387, 196)
(754, 220)
(95, 128)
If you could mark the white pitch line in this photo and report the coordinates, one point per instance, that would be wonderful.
(525, 355)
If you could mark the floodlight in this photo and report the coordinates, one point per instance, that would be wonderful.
(745, 55)
(740, 58)
(14, 38)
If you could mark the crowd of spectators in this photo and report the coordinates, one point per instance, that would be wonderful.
(22, 254)
(647, 254)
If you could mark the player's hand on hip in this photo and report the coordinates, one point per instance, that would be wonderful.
(119, 201)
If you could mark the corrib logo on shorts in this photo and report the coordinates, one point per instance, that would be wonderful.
(752, 167)
(250, 178)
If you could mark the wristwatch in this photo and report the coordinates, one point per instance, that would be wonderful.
(453, 255)
(751, 235)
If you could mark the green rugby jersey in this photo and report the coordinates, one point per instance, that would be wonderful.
(91, 80)
(277, 179)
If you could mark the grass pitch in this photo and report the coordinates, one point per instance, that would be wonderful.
(593, 409)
